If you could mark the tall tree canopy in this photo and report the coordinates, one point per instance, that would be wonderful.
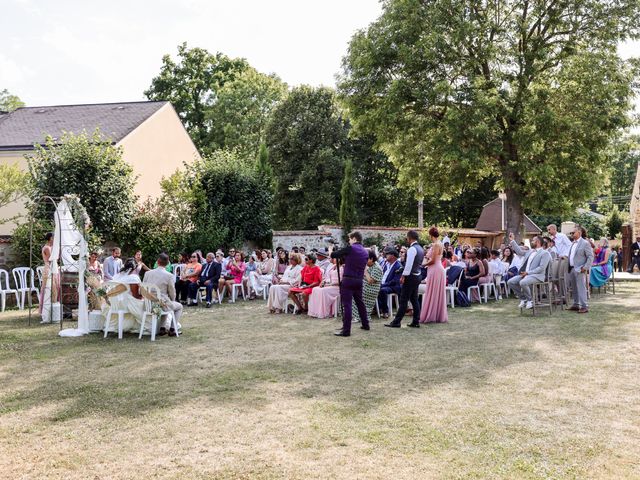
(223, 102)
(306, 138)
(528, 91)
(9, 102)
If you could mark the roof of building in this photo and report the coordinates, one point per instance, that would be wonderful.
(26, 126)
(492, 218)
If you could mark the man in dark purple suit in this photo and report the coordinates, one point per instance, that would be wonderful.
(354, 257)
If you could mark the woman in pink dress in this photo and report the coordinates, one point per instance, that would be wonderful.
(434, 301)
(322, 300)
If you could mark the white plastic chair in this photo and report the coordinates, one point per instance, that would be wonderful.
(486, 290)
(23, 279)
(5, 289)
(477, 289)
(120, 313)
(290, 302)
(390, 298)
(40, 272)
(234, 293)
(148, 311)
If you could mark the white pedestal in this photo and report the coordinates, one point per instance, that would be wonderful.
(96, 321)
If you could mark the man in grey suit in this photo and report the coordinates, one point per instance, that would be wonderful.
(165, 282)
(533, 269)
(580, 260)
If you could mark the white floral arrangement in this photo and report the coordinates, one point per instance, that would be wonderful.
(156, 309)
(79, 213)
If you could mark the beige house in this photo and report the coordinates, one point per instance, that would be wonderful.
(153, 139)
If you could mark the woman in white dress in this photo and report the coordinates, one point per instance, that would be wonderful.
(263, 275)
(278, 293)
(128, 298)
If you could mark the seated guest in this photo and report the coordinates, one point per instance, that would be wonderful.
(164, 280)
(474, 270)
(311, 277)
(390, 283)
(141, 268)
(602, 267)
(322, 300)
(263, 275)
(282, 262)
(371, 288)
(323, 260)
(182, 286)
(551, 248)
(485, 256)
(201, 259)
(112, 265)
(189, 277)
(279, 292)
(94, 266)
(533, 269)
(226, 262)
(498, 269)
(236, 269)
(209, 277)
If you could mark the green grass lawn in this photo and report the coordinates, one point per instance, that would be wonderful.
(244, 394)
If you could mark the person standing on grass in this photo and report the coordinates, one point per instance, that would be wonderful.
(354, 257)
(410, 281)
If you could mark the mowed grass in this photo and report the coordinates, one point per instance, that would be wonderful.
(244, 394)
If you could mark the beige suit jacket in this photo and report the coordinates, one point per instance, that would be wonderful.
(164, 280)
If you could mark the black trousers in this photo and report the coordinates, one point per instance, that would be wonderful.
(182, 290)
(409, 293)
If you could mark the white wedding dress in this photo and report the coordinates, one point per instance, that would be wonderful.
(127, 302)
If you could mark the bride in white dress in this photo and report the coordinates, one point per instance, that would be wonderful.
(128, 299)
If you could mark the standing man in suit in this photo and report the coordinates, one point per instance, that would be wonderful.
(112, 264)
(391, 273)
(580, 260)
(165, 282)
(209, 278)
(410, 281)
(533, 269)
(355, 258)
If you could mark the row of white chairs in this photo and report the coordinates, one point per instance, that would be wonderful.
(24, 283)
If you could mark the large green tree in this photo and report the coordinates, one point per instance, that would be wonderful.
(307, 138)
(238, 118)
(9, 102)
(192, 83)
(530, 92)
(231, 197)
(347, 201)
(92, 168)
(223, 102)
(624, 168)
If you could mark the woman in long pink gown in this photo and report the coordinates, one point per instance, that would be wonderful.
(434, 301)
(322, 300)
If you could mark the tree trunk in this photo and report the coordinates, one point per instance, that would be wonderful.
(514, 216)
(420, 214)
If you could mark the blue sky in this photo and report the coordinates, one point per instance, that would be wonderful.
(72, 51)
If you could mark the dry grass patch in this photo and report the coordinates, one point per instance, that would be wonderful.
(244, 394)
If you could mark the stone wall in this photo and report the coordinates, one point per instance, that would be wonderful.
(309, 239)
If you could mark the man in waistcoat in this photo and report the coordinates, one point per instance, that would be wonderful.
(354, 258)
(410, 281)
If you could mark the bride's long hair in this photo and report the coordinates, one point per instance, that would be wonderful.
(129, 266)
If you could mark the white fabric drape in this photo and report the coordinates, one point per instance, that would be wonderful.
(67, 242)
